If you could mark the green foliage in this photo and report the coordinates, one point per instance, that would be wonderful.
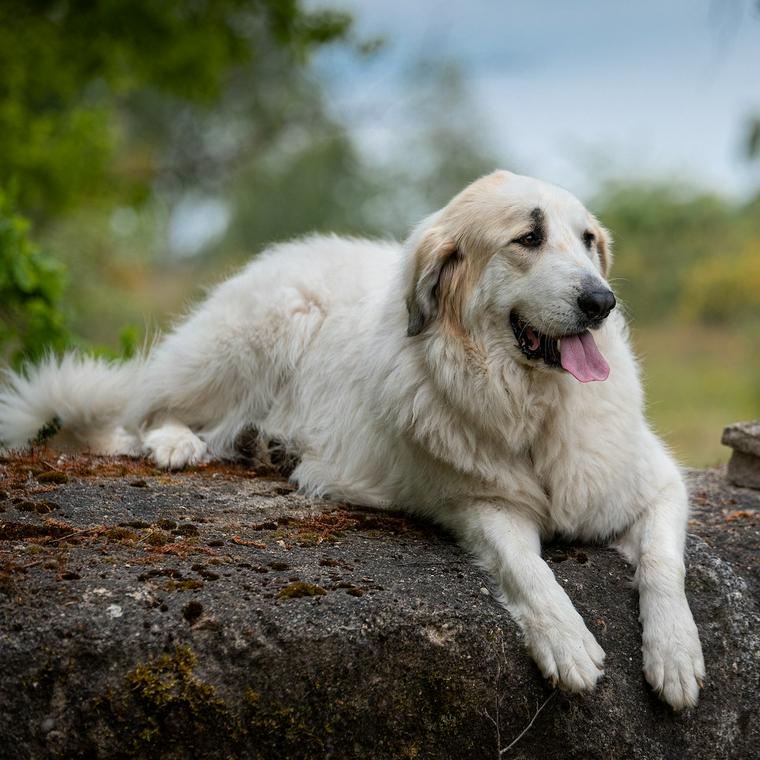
(718, 290)
(109, 103)
(69, 71)
(678, 253)
(129, 338)
(30, 289)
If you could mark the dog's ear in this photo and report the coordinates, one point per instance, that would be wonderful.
(435, 256)
(604, 248)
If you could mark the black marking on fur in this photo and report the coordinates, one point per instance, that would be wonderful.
(537, 235)
(267, 455)
(416, 318)
(48, 430)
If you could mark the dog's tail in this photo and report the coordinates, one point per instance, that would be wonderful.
(81, 397)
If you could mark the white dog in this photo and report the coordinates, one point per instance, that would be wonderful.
(448, 376)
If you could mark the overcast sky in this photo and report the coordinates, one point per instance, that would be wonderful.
(571, 91)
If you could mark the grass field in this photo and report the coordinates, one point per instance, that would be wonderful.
(697, 381)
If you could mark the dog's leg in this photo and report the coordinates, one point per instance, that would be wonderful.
(172, 445)
(507, 544)
(672, 654)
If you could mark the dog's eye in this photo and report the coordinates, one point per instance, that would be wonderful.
(588, 239)
(531, 240)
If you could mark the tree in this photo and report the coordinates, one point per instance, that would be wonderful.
(315, 179)
(103, 101)
(73, 78)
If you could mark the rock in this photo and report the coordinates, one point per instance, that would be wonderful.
(744, 437)
(744, 465)
(383, 645)
(744, 470)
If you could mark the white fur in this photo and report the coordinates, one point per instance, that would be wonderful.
(86, 395)
(309, 345)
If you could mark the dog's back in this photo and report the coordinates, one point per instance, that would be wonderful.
(219, 370)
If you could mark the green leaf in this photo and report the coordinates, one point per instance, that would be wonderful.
(24, 273)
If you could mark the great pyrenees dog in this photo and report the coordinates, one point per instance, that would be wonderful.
(477, 374)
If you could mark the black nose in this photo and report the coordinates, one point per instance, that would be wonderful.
(596, 303)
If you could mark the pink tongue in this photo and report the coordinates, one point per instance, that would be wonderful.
(581, 358)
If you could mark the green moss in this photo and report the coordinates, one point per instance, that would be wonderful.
(165, 709)
(308, 538)
(121, 534)
(52, 477)
(282, 727)
(251, 697)
(411, 751)
(164, 704)
(182, 585)
(157, 538)
(300, 588)
(442, 694)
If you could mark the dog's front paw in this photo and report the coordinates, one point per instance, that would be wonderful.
(565, 651)
(673, 662)
(174, 447)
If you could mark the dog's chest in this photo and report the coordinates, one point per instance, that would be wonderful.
(584, 464)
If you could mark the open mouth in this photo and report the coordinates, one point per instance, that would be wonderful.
(576, 353)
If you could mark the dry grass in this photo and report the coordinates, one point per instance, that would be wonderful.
(43, 469)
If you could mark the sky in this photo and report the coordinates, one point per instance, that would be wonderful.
(572, 92)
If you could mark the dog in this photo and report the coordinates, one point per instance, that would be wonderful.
(478, 375)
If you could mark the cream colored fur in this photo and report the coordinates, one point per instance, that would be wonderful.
(393, 373)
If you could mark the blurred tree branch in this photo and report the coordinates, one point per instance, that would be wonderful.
(753, 138)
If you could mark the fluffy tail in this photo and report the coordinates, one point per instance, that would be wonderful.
(83, 397)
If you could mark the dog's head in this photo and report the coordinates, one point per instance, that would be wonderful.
(518, 262)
